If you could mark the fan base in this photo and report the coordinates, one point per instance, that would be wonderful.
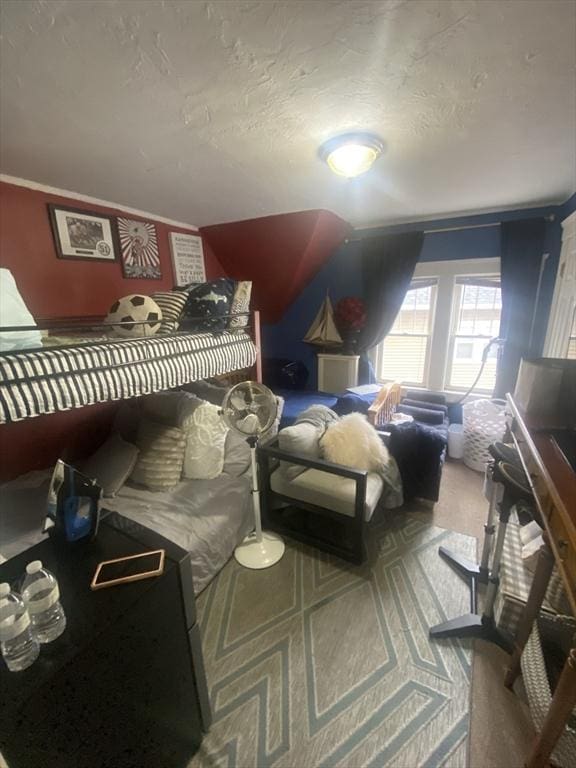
(260, 554)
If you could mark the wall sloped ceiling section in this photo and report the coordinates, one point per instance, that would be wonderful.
(280, 254)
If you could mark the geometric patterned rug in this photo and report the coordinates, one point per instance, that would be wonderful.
(317, 663)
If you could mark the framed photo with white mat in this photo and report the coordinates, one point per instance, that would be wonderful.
(80, 234)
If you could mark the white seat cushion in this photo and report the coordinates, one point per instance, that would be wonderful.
(328, 490)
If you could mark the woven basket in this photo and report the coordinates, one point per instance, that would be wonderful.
(540, 697)
(484, 423)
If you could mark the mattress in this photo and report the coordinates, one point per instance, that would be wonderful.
(208, 518)
(33, 383)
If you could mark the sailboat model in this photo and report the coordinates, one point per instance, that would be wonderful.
(323, 331)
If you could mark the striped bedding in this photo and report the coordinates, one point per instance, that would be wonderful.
(45, 381)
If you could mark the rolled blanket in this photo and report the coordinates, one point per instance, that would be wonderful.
(425, 396)
(425, 415)
(318, 415)
(424, 404)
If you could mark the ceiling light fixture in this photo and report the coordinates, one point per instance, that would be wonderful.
(351, 154)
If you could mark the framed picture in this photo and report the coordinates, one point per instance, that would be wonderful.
(188, 258)
(80, 234)
(139, 249)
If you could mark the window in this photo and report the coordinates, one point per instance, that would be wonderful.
(449, 314)
(571, 354)
(404, 353)
(561, 333)
(464, 350)
(476, 319)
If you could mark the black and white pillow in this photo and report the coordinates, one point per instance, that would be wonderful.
(208, 305)
(240, 303)
(172, 304)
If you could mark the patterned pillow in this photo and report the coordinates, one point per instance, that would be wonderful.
(240, 303)
(172, 304)
(161, 456)
(205, 441)
(212, 301)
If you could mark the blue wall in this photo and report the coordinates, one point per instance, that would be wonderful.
(341, 275)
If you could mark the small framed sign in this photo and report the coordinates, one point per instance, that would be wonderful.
(188, 258)
(79, 234)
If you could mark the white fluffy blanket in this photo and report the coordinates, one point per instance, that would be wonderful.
(353, 442)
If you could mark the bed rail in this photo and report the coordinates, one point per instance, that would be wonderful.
(41, 380)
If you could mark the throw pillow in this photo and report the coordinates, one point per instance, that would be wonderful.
(240, 303)
(237, 458)
(161, 456)
(211, 301)
(170, 408)
(13, 311)
(354, 443)
(206, 436)
(301, 439)
(111, 465)
(172, 304)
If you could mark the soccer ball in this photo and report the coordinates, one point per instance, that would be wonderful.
(139, 315)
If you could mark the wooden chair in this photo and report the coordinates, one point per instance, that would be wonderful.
(384, 406)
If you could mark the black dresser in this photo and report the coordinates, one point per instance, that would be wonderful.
(124, 686)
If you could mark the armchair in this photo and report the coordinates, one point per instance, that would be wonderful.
(337, 499)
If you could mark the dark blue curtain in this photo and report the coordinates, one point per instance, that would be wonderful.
(522, 246)
(388, 264)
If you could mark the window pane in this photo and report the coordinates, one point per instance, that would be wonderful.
(479, 312)
(465, 370)
(403, 355)
(477, 321)
(571, 355)
(414, 315)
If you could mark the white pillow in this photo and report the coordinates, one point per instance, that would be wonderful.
(13, 311)
(205, 441)
(354, 443)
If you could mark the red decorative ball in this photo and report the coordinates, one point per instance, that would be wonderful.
(350, 314)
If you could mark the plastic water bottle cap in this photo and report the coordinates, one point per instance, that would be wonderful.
(4, 589)
(34, 566)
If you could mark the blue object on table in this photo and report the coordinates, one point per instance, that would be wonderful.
(73, 504)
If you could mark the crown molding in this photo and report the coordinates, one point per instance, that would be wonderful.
(94, 200)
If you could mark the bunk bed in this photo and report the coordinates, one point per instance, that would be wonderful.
(96, 369)
(81, 366)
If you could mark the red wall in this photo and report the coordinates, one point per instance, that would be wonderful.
(53, 287)
(280, 254)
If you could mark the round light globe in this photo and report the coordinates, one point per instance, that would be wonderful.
(351, 154)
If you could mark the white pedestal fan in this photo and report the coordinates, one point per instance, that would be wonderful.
(250, 409)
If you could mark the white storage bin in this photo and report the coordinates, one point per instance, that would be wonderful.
(456, 441)
(484, 423)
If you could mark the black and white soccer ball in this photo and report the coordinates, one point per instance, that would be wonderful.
(138, 316)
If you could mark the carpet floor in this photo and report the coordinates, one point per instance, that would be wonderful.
(318, 663)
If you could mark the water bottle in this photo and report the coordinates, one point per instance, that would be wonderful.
(42, 597)
(19, 647)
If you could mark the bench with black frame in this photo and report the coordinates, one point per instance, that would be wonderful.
(319, 526)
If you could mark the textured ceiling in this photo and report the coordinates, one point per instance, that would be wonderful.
(213, 111)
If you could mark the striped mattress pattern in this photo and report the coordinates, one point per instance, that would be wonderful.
(33, 383)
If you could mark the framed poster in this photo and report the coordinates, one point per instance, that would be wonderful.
(139, 249)
(188, 258)
(79, 234)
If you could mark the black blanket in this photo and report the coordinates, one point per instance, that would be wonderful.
(419, 452)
